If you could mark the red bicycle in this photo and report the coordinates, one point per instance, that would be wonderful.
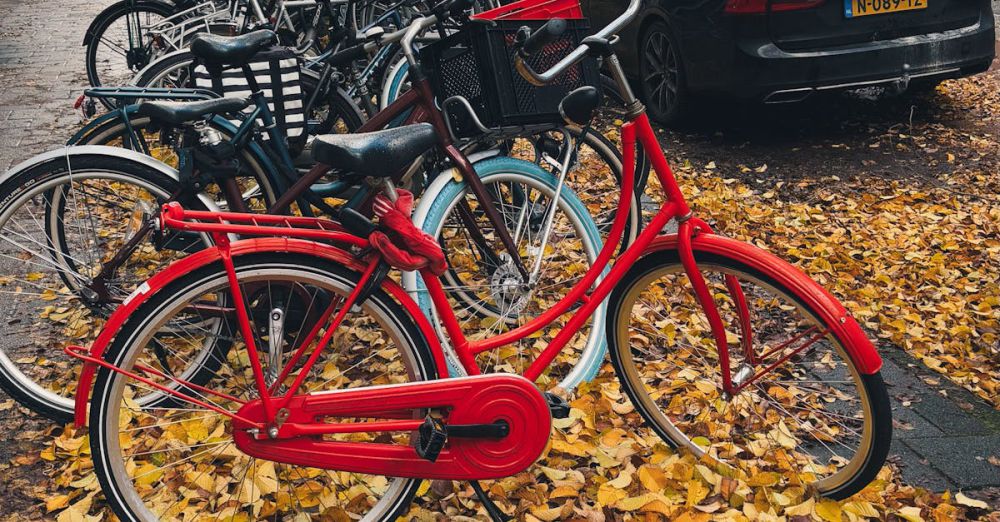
(335, 401)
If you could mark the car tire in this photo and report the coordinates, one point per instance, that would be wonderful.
(661, 75)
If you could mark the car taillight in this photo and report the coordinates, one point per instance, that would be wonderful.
(761, 6)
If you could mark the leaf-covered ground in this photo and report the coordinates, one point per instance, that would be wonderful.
(601, 465)
(893, 206)
(899, 220)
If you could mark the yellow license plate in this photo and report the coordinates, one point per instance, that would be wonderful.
(856, 8)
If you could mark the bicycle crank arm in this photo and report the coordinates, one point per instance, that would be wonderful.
(501, 422)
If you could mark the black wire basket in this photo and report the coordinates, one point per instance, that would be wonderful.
(477, 63)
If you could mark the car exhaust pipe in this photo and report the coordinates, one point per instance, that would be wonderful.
(788, 95)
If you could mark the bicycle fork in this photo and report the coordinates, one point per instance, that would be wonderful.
(750, 369)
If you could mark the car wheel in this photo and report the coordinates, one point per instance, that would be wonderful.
(661, 75)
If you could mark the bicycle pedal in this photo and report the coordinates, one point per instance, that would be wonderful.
(430, 439)
(557, 405)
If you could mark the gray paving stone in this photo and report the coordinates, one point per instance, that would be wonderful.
(918, 470)
(897, 375)
(948, 417)
(908, 424)
(41, 73)
(939, 449)
(9, 141)
(964, 460)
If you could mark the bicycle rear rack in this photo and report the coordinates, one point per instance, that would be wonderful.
(126, 96)
(174, 216)
(158, 93)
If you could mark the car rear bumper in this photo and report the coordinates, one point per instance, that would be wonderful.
(761, 70)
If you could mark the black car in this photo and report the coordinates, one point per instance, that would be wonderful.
(780, 51)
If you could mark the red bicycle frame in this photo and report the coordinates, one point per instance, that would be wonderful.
(693, 235)
(692, 232)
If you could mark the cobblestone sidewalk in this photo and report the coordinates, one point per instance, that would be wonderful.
(41, 73)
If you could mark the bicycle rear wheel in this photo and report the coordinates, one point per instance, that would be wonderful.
(61, 222)
(151, 459)
(805, 414)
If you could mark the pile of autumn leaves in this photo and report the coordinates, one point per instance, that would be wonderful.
(602, 465)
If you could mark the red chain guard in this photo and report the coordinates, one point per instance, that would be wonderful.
(482, 399)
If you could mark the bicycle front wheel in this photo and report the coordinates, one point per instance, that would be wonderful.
(803, 414)
(160, 461)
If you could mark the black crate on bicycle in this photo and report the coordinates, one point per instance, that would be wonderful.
(477, 62)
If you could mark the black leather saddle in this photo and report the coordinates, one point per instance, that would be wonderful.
(231, 50)
(377, 154)
(178, 113)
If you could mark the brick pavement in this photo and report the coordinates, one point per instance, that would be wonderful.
(41, 73)
(943, 435)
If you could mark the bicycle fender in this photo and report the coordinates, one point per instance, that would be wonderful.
(91, 126)
(844, 326)
(101, 150)
(211, 255)
(136, 76)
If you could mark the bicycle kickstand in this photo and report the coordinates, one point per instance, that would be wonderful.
(492, 509)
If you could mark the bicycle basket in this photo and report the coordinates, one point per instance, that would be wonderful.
(477, 62)
(276, 71)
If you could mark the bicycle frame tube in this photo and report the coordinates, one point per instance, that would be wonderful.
(578, 294)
